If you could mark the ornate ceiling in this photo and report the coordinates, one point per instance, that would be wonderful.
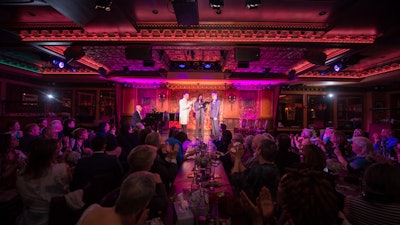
(291, 35)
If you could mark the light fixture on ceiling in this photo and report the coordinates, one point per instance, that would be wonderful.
(252, 4)
(337, 67)
(217, 5)
(58, 63)
(103, 4)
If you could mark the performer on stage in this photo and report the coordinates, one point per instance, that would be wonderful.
(199, 108)
(184, 108)
(137, 116)
(214, 114)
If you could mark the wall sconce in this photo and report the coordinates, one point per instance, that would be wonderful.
(162, 97)
(232, 99)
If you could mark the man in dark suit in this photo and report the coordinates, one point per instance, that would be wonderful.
(97, 164)
(214, 114)
(137, 116)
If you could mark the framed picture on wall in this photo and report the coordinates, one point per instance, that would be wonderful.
(248, 103)
(146, 101)
(30, 99)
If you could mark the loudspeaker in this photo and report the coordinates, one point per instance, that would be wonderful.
(316, 57)
(186, 12)
(247, 54)
(73, 53)
(139, 52)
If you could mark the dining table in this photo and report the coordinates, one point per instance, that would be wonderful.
(182, 189)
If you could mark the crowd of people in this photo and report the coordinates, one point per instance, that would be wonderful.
(283, 179)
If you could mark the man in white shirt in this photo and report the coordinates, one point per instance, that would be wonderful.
(184, 108)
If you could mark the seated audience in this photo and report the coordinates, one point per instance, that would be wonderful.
(41, 180)
(11, 161)
(364, 156)
(380, 199)
(130, 208)
(285, 158)
(32, 132)
(384, 144)
(14, 128)
(142, 158)
(176, 143)
(104, 129)
(96, 164)
(127, 139)
(167, 168)
(265, 173)
(305, 197)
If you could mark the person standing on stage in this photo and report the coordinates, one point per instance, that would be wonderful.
(214, 114)
(137, 116)
(184, 108)
(199, 108)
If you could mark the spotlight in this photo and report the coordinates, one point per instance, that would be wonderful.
(182, 65)
(207, 65)
(216, 4)
(50, 96)
(337, 67)
(103, 4)
(252, 4)
(58, 63)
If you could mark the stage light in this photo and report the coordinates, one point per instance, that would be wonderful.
(337, 67)
(252, 4)
(216, 4)
(50, 96)
(58, 63)
(207, 65)
(103, 4)
(182, 65)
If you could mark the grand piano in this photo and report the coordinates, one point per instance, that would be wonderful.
(158, 120)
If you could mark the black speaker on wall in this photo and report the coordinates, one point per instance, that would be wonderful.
(73, 53)
(186, 12)
(139, 52)
(247, 54)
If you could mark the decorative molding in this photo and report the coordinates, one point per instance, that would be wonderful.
(192, 35)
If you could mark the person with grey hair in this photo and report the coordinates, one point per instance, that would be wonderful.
(167, 167)
(137, 116)
(142, 158)
(265, 173)
(135, 194)
(363, 149)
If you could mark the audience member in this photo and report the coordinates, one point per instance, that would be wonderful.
(380, 199)
(127, 140)
(130, 208)
(266, 173)
(41, 180)
(32, 132)
(14, 128)
(104, 129)
(68, 127)
(142, 158)
(42, 122)
(96, 164)
(384, 144)
(305, 197)
(11, 161)
(167, 168)
(285, 157)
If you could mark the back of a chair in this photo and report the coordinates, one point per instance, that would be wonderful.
(98, 187)
(61, 214)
